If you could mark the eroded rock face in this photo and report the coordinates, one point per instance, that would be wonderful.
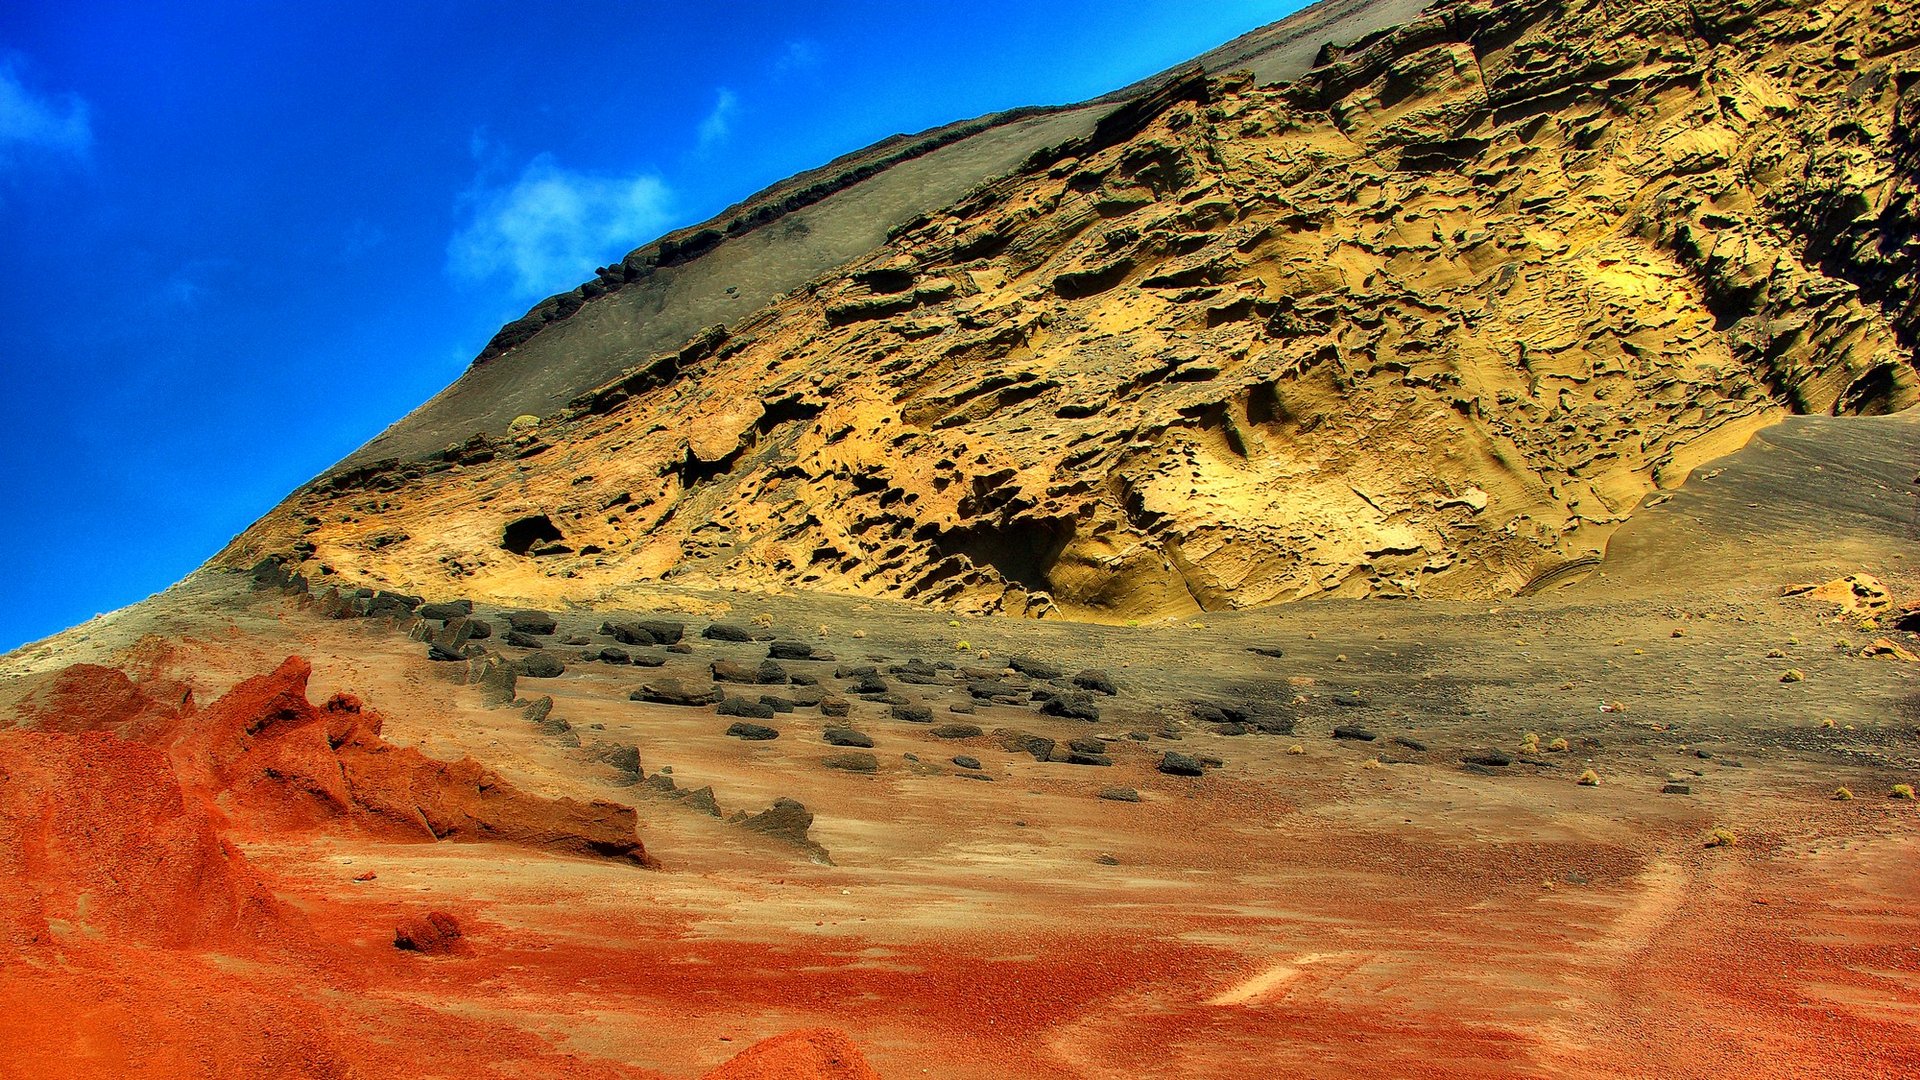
(1429, 321)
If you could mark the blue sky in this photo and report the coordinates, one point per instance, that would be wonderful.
(239, 239)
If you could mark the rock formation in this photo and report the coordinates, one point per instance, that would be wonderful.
(1429, 320)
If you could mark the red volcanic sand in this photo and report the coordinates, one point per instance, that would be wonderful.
(95, 831)
(811, 1054)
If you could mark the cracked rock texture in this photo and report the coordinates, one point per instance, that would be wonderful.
(1429, 320)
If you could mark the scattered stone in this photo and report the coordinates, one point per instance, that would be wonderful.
(1106, 860)
(1177, 764)
(1491, 759)
(1072, 704)
(1793, 675)
(448, 644)
(727, 632)
(853, 762)
(738, 706)
(1032, 668)
(646, 659)
(847, 737)
(1273, 651)
(1119, 794)
(956, 731)
(790, 650)
(538, 709)
(913, 714)
(1351, 700)
(966, 762)
(788, 820)
(1352, 733)
(776, 703)
(965, 708)
(628, 633)
(1418, 746)
(531, 622)
(446, 609)
(614, 654)
(869, 684)
(733, 671)
(1096, 680)
(434, 933)
(480, 629)
(541, 665)
(523, 641)
(1077, 757)
(664, 631)
(1676, 789)
(1023, 742)
(855, 671)
(674, 692)
(752, 732)
(833, 706)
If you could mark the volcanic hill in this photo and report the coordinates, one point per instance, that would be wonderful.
(857, 636)
(1429, 319)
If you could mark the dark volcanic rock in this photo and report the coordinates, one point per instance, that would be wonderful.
(1073, 704)
(1033, 668)
(541, 665)
(790, 650)
(614, 654)
(743, 729)
(847, 737)
(727, 632)
(1119, 794)
(629, 633)
(531, 622)
(913, 714)
(1096, 680)
(674, 692)
(664, 631)
(852, 762)
(966, 762)
(523, 641)
(1078, 758)
(735, 706)
(833, 706)
(1177, 764)
(956, 731)
(1025, 742)
(447, 609)
(787, 819)
(1352, 733)
(776, 703)
(1492, 759)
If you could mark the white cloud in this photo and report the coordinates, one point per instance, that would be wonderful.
(37, 124)
(799, 55)
(719, 123)
(547, 229)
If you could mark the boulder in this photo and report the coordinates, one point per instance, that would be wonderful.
(531, 622)
(847, 737)
(540, 665)
(727, 632)
(1178, 764)
(743, 729)
(674, 692)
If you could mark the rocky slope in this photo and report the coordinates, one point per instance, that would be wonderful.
(1431, 319)
(725, 269)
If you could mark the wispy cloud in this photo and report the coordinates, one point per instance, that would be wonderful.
(719, 122)
(799, 55)
(39, 125)
(549, 227)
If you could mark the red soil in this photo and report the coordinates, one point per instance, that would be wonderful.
(812, 1054)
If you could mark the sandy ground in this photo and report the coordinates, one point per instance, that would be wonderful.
(1314, 906)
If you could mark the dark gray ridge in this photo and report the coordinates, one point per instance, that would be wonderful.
(727, 268)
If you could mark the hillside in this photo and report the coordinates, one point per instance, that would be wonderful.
(1429, 320)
